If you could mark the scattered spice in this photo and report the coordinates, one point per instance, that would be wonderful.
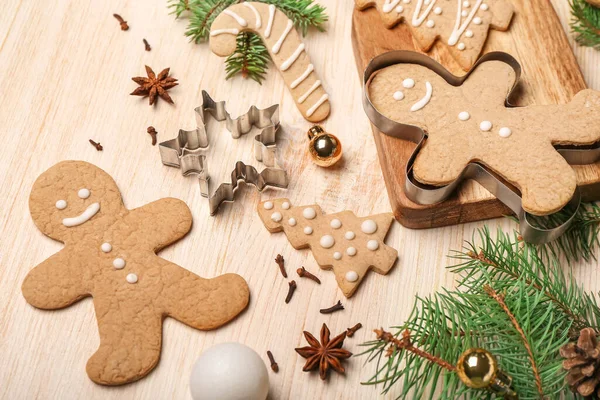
(350, 331)
(290, 291)
(303, 273)
(98, 146)
(122, 22)
(337, 307)
(325, 354)
(281, 262)
(154, 86)
(274, 365)
(152, 132)
(147, 46)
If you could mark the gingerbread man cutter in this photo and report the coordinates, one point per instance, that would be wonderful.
(410, 96)
(188, 150)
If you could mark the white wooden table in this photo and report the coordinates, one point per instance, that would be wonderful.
(65, 69)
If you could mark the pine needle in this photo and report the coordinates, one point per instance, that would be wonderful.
(250, 58)
(586, 23)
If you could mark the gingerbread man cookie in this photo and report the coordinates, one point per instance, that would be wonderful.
(469, 121)
(349, 245)
(462, 25)
(285, 46)
(110, 254)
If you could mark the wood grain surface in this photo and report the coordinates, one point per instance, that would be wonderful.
(65, 69)
(550, 74)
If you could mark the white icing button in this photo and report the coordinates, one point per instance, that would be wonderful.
(349, 235)
(61, 204)
(83, 193)
(309, 213)
(106, 247)
(119, 263)
(292, 221)
(327, 241)
(368, 226)
(276, 216)
(461, 46)
(351, 276)
(285, 205)
(351, 251)
(408, 83)
(268, 205)
(485, 126)
(464, 116)
(484, 7)
(132, 278)
(466, 4)
(308, 230)
(430, 23)
(398, 95)
(437, 10)
(505, 132)
(372, 245)
(477, 21)
(335, 223)
(469, 33)
(399, 9)
(337, 255)
(464, 13)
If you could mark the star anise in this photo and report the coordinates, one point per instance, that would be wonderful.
(325, 354)
(154, 86)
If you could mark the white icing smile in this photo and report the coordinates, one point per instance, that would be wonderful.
(83, 217)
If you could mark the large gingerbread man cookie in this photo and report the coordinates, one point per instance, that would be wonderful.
(469, 121)
(110, 254)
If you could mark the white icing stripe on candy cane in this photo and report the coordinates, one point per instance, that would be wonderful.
(418, 20)
(239, 19)
(423, 102)
(312, 110)
(308, 92)
(281, 39)
(458, 28)
(256, 14)
(302, 77)
(389, 5)
(218, 32)
(270, 23)
(288, 63)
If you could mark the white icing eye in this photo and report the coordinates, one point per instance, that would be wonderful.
(351, 276)
(408, 83)
(268, 205)
(398, 95)
(132, 278)
(61, 204)
(119, 263)
(83, 193)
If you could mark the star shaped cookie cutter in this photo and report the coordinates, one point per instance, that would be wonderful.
(188, 150)
(530, 230)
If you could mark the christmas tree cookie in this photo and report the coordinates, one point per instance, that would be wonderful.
(462, 25)
(469, 121)
(349, 245)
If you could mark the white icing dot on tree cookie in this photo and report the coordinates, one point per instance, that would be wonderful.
(276, 216)
(337, 255)
(61, 204)
(292, 221)
(349, 235)
(309, 213)
(335, 223)
(132, 278)
(504, 132)
(106, 247)
(327, 241)
(485, 126)
(368, 226)
(119, 263)
(268, 205)
(308, 230)
(372, 245)
(351, 276)
(285, 205)
(351, 251)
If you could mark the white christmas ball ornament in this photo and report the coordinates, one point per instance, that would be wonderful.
(229, 371)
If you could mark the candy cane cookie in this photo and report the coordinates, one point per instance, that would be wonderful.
(286, 49)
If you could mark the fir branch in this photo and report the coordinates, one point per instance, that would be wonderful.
(204, 12)
(303, 13)
(586, 23)
(251, 58)
(180, 6)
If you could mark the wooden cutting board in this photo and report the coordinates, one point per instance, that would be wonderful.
(550, 75)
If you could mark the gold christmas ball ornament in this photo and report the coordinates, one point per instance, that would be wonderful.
(478, 369)
(325, 149)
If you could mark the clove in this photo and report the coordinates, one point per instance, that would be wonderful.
(152, 132)
(332, 309)
(350, 331)
(274, 365)
(147, 46)
(290, 291)
(122, 22)
(281, 262)
(98, 146)
(303, 273)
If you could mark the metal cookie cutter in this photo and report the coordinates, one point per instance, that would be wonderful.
(188, 150)
(504, 191)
